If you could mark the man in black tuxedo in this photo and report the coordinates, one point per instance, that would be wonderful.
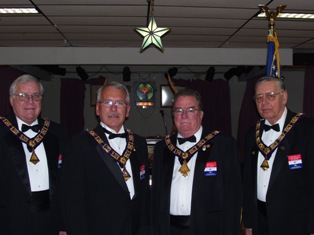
(30, 155)
(196, 185)
(105, 183)
(279, 166)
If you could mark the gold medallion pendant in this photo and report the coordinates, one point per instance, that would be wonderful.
(265, 165)
(184, 169)
(34, 159)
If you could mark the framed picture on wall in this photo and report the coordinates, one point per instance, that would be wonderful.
(166, 96)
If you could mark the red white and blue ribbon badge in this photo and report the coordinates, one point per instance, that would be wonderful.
(60, 161)
(295, 161)
(142, 172)
(210, 169)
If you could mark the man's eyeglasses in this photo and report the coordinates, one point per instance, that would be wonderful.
(270, 96)
(110, 103)
(25, 97)
(188, 111)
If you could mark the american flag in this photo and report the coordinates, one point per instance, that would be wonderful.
(273, 60)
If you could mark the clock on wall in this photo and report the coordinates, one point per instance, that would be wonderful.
(145, 94)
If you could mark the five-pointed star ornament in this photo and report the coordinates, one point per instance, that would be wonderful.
(152, 35)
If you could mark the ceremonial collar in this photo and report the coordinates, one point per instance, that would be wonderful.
(184, 157)
(31, 143)
(120, 159)
(268, 150)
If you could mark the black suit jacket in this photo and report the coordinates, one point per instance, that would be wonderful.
(290, 195)
(15, 192)
(216, 200)
(96, 199)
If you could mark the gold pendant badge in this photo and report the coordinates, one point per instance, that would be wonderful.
(184, 169)
(265, 165)
(34, 159)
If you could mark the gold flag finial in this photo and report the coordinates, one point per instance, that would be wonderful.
(271, 15)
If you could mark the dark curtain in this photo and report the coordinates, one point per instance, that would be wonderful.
(7, 76)
(97, 82)
(72, 102)
(308, 94)
(248, 114)
(72, 98)
(216, 100)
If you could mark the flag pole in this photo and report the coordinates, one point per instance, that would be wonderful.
(273, 59)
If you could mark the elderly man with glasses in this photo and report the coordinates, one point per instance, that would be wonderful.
(105, 180)
(30, 157)
(196, 176)
(279, 166)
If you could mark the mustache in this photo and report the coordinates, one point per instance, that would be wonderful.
(113, 114)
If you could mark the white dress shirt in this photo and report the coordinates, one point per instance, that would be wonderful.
(182, 186)
(38, 174)
(263, 177)
(119, 145)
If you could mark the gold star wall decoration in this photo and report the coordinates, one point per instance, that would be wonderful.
(152, 35)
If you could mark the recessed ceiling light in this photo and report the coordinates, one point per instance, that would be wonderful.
(291, 16)
(18, 11)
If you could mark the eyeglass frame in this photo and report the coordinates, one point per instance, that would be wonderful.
(23, 96)
(269, 96)
(117, 103)
(188, 111)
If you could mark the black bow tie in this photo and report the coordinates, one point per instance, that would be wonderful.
(34, 128)
(113, 135)
(274, 127)
(190, 139)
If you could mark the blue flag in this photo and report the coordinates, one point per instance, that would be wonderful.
(273, 60)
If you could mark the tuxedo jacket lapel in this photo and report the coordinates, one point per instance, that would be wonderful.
(281, 155)
(111, 164)
(15, 149)
(203, 156)
(52, 149)
(169, 164)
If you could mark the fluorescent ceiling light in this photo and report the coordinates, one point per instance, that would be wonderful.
(18, 11)
(291, 16)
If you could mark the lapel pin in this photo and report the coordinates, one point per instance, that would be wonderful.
(205, 147)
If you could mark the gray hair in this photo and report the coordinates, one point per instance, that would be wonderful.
(279, 82)
(116, 85)
(25, 79)
(189, 92)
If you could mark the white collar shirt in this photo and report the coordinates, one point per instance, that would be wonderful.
(38, 173)
(119, 145)
(263, 177)
(182, 187)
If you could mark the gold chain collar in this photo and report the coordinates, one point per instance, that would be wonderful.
(186, 156)
(267, 150)
(33, 142)
(121, 159)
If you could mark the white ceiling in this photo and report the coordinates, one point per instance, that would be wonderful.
(193, 23)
